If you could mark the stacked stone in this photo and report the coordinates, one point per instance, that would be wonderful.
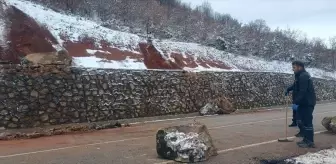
(39, 96)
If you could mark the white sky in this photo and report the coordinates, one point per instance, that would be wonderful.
(316, 18)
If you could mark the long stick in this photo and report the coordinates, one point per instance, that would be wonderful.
(286, 127)
(286, 118)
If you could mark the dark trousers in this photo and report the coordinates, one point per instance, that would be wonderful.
(304, 117)
(294, 117)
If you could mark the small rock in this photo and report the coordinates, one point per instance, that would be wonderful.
(57, 114)
(15, 119)
(75, 120)
(79, 86)
(44, 91)
(53, 121)
(51, 110)
(37, 124)
(118, 124)
(34, 135)
(76, 114)
(63, 103)
(4, 112)
(68, 94)
(52, 105)
(11, 95)
(105, 86)
(4, 135)
(23, 108)
(44, 117)
(34, 93)
(127, 125)
(12, 125)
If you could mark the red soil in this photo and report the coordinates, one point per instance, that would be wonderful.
(26, 36)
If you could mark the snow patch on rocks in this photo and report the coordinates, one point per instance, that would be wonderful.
(186, 145)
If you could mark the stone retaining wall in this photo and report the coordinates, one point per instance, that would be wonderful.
(31, 97)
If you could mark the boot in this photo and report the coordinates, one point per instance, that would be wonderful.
(293, 125)
(301, 142)
(299, 135)
(305, 144)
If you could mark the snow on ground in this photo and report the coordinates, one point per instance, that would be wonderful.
(321, 157)
(94, 62)
(76, 27)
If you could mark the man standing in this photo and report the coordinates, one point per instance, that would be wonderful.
(304, 101)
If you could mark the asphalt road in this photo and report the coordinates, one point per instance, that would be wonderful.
(242, 138)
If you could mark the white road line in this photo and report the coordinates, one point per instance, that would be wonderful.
(132, 139)
(253, 122)
(245, 146)
(258, 144)
(71, 147)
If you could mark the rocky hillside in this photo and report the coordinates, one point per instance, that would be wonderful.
(27, 28)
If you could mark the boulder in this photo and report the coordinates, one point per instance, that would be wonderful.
(186, 143)
(326, 122)
(51, 58)
(330, 123)
(333, 124)
(220, 105)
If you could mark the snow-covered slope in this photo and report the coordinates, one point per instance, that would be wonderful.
(75, 27)
(190, 56)
(236, 62)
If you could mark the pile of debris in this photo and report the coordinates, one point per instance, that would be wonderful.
(221, 105)
(58, 130)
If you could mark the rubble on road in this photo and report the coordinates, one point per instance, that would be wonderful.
(58, 130)
(221, 105)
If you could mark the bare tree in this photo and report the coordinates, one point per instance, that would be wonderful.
(332, 43)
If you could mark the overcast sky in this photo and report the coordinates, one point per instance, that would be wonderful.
(317, 18)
